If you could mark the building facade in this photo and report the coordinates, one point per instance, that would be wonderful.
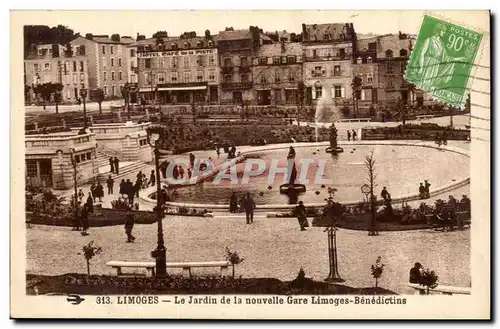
(178, 70)
(236, 50)
(277, 72)
(107, 61)
(328, 59)
(55, 64)
(393, 52)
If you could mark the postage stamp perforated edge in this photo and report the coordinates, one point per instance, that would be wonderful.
(477, 59)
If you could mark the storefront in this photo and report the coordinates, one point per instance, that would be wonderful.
(179, 94)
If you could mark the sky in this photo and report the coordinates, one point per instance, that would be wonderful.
(176, 22)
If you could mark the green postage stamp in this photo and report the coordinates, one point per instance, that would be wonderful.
(442, 60)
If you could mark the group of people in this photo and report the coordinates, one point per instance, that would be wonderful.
(354, 135)
(447, 215)
(97, 191)
(247, 203)
(114, 165)
(423, 190)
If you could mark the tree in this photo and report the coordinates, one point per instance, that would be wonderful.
(160, 34)
(97, 95)
(370, 170)
(46, 90)
(429, 279)
(89, 251)
(234, 258)
(377, 269)
(43, 34)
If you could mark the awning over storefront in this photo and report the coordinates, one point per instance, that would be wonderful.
(145, 90)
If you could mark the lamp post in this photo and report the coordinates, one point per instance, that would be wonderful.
(83, 94)
(160, 253)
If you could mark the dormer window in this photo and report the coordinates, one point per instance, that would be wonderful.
(326, 37)
(403, 53)
(161, 47)
(210, 43)
(187, 45)
(359, 60)
(388, 53)
(199, 44)
(173, 45)
(369, 60)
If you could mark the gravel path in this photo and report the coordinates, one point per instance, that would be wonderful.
(272, 247)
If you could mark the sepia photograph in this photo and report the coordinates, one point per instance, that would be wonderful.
(299, 164)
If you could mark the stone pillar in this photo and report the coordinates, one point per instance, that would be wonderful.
(64, 123)
(119, 113)
(38, 170)
(147, 113)
(36, 125)
(91, 120)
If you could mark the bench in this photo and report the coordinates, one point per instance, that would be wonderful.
(424, 117)
(186, 267)
(445, 290)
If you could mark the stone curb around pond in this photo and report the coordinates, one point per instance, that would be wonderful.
(144, 195)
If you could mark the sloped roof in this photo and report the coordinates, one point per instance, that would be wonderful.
(291, 48)
(107, 39)
(334, 31)
(394, 43)
(233, 35)
(180, 43)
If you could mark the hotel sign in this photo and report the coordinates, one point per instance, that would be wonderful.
(177, 53)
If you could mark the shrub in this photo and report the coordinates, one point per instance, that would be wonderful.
(429, 279)
(377, 269)
(183, 210)
(89, 251)
(234, 258)
(119, 204)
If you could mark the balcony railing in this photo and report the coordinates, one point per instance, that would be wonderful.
(237, 85)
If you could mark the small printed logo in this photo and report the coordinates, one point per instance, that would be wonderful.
(75, 299)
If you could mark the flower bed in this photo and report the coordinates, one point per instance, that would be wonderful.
(112, 285)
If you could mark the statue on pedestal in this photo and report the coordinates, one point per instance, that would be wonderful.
(290, 187)
(333, 141)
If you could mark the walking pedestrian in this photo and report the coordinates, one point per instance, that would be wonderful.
(218, 152)
(90, 203)
(427, 186)
(354, 135)
(152, 178)
(109, 183)
(302, 216)
(77, 219)
(122, 189)
(99, 191)
(129, 225)
(191, 159)
(348, 136)
(137, 187)
(117, 166)
(85, 219)
(233, 203)
(111, 165)
(92, 191)
(81, 195)
(249, 207)
(421, 191)
(190, 173)
(181, 172)
(384, 194)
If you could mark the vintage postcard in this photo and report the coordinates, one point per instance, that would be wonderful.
(250, 164)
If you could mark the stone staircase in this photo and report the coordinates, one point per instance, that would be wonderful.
(130, 170)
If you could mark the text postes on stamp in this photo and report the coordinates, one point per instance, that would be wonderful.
(442, 60)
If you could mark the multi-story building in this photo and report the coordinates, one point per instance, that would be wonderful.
(393, 52)
(178, 70)
(366, 68)
(328, 59)
(236, 50)
(58, 64)
(107, 61)
(277, 72)
(132, 68)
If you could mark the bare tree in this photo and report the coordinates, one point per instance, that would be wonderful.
(371, 176)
